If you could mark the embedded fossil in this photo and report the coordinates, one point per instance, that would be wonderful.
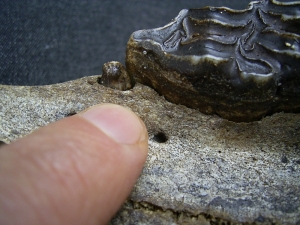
(114, 75)
(239, 64)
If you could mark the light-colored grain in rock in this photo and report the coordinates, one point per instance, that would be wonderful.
(209, 169)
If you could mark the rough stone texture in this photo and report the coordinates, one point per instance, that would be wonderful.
(208, 171)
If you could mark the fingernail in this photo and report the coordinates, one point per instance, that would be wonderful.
(117, 122)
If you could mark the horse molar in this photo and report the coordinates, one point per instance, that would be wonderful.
(114, 75)
(239, 64)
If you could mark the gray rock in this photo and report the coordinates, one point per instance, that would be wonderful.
(201, 169)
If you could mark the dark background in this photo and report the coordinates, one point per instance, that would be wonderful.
(51, 41)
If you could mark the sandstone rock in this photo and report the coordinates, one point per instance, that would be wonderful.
(201, 169)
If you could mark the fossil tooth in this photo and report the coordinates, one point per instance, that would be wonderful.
(114, 75)
(239, 64)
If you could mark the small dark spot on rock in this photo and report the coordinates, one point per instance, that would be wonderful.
(291, 169)
(260, 219)
(220, 151)
(297, 161)
(72, 113)
(160, 137)
(231, 203)
(284, 159)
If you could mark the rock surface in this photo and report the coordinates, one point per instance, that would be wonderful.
(201, 169)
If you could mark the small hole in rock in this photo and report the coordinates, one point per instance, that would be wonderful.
(71, 114)
(284, 159)
(160, 137)
(99, 80)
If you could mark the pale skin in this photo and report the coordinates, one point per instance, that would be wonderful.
(78, 170)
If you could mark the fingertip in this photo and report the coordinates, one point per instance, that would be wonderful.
(96, 155)
(119, 123)
(125, 128)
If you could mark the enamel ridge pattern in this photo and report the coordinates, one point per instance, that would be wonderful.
(239, 64)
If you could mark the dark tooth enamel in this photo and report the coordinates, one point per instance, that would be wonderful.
(239, 64)
(114, 75)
